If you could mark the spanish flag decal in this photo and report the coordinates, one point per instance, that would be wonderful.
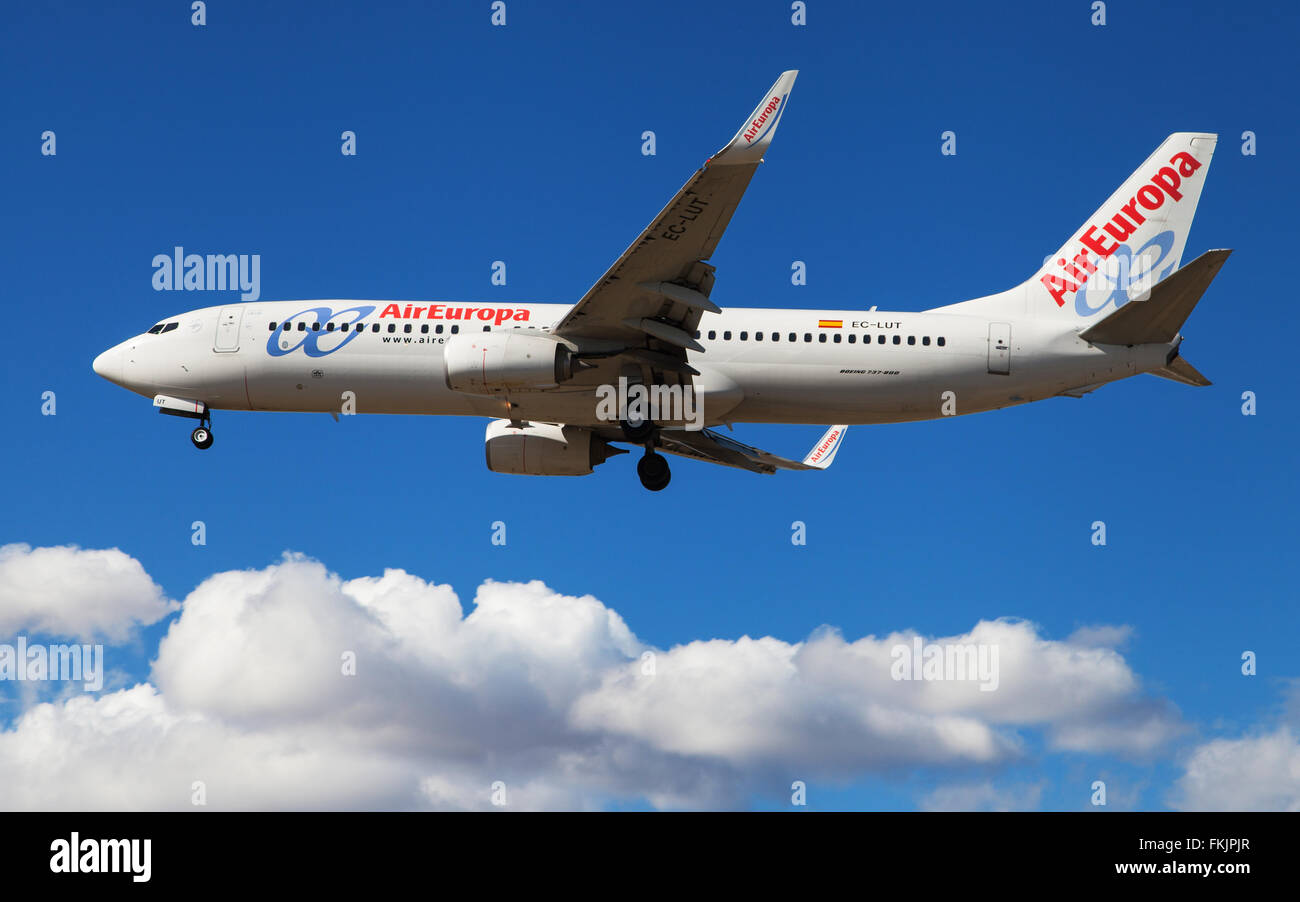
(830, 324)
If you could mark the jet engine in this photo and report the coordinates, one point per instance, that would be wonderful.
(544, 449)
(485, 362)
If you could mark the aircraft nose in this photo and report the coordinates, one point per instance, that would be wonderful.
(109, 365)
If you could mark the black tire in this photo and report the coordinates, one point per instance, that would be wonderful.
(202, 438)
(654, 472)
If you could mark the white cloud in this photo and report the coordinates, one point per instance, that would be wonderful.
(834, 706)
(130, 750)
(69, 591)
(542, 691)
(1257, 773)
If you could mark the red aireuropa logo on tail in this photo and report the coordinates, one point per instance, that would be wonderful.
(1151, 196)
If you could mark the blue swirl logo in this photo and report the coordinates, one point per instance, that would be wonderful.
(311, 340)
(1124, 273)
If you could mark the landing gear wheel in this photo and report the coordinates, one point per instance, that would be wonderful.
(202, 438)
(654, 472)
(637, 432)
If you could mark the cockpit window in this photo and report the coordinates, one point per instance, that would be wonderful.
(162, 328)
(156, 329)
(168, 328)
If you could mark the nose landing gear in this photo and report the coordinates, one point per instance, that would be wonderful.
(202, 436)
(191, 410)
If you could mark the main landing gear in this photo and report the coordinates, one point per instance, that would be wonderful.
(653, 467)
(638, 431)
(653, 470)
(202, 435)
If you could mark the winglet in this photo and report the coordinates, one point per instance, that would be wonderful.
(756, 134)
(823, 453)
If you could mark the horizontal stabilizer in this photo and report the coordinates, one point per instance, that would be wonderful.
(1158, 319)
(1179, 370)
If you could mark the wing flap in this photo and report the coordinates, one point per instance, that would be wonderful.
(667, 251)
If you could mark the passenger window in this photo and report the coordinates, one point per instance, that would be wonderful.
(898, 340)
(852, 338)
(807, 336)
(911, 339)
(407, 328)
(424, 328)
(375, 327)
(880, 339)
(926, 341)
(712, 334)
(272, 329)
(329, 327)
(455, 329)
(940, 341)
(744, 336)
(821, 336)
(697, 333)
(315, 327)
(776, 336)
(758, 336)
(794, 336)
(438, 328)
(487, 328)
(726, 336)
(838, 338)
(302, 327)
(392, 327)
(344, 327)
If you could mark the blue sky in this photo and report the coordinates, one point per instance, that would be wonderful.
(523, 144)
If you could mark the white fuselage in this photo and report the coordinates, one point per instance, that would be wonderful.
(874, 367)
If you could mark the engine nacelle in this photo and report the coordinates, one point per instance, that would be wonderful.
(485, 362)
(544, 449)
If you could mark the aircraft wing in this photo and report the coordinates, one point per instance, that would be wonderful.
(714, 447)
(653, 295)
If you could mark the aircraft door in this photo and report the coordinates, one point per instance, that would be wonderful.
(228, 322)
(1000, 348)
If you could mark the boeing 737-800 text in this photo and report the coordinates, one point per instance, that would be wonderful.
(648, 357)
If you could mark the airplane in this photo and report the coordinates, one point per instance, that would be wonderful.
(648, 358)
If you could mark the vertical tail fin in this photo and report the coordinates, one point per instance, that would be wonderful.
(1134, 240)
